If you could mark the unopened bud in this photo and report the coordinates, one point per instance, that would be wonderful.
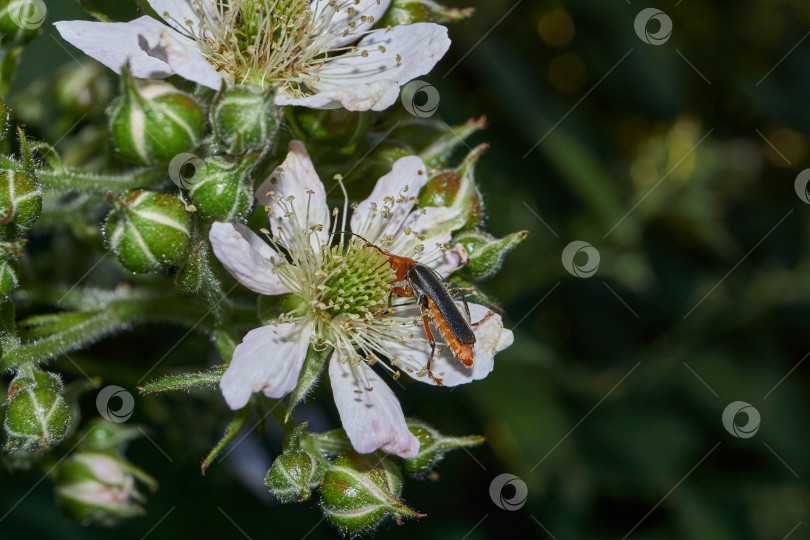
(456, 188)
(359, 491)
(433, 445)
(294, 475)
(221, 189)
(416, 11)
(148, 230)
(37, 416)
(245, 118)
(485, 252)
(20, 203)
(337, 128)
(153, 121)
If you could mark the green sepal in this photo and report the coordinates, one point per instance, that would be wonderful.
(415, 11)
(436, 154)
(186, 382)
(9, 59)
(226, 343)
(233, 429)
(433, 445)
(485, 252)
(93, 12)
(310, 373)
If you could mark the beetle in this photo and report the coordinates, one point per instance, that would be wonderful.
(434, 300)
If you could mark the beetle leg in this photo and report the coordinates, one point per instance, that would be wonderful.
(399, 291)
(432, 343)
(486, 317)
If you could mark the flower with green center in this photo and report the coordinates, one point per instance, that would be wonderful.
(337, 291)
(315, 53)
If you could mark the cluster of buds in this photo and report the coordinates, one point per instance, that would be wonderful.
(358, 491)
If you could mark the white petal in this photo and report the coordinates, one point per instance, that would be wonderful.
(177, 12)
(373, 82)
(187, 61)
(296, 178)
(115, 44)
(337, 17)
(373, 419)
(434, 224)
(269, 359)
(490, 338)
(247, 257)
(406, 179)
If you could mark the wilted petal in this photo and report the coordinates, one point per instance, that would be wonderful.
(393, 58)
(490, 338)
(247, 257)
(269, 360)
(371, 416)
(296, 178)
(339, 17)
(400, 186)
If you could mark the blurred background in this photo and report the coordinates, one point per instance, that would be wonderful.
(674, 157)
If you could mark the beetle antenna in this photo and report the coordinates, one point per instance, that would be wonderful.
(355, 234)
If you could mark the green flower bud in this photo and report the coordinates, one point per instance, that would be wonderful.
(294, 475)
(220, 188)
(99, 488)
(20, 203)
(153, 121)
(486, 252)
(105, 436)
(416, 11)
(20, 19)
(82, 88)
(37, 416)
(456, 188)
(336, 128)
(148, 230)
(245, 118)
(9, 271)
(360, 491)
(433, 446)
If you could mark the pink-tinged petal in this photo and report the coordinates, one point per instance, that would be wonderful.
(347, 19)
(397, 191)
(187, 61)
(490, 338)
(247, 257)
(372, 82)
(268, 360)
(115, 44)
(296, 178)
(373, 419)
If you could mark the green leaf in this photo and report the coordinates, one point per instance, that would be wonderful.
(234, 428)
(187, 381)
(310, 372)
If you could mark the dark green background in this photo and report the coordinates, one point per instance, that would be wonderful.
(602, 382)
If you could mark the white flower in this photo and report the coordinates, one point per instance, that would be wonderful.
(316, 53)
(338, 297)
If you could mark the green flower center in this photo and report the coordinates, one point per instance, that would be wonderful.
(356, 282)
